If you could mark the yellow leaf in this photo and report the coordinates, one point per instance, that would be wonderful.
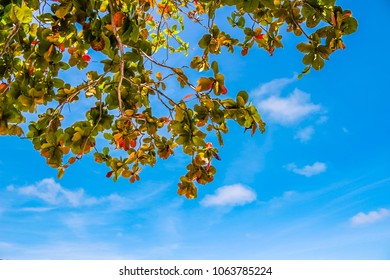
(109, 27)
(47, 54)
(126, 173)
(76, 137)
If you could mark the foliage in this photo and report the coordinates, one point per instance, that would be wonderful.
(42, 40)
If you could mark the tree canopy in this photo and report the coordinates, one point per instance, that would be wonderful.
(123, 48)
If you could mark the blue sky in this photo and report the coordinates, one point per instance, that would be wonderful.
(316, 185)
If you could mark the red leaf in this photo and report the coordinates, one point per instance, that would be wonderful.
(209, 145)
(333, 19)
(260, 36)
(133, 143)
(86, 58)
(188, 96)
(61, 47)
(35, 42)
(244, 51)
(224, 89)
(108, 175)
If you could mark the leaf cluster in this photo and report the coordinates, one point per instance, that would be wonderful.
(123, 48)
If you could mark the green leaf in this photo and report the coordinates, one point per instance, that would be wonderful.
(250, 5)
(329, 3)
(313, 20)
(23, 14)
(305, 48)
(63, 10)
(349, 25)
(318, 63)
(58, 83)
(205, 41)
(244, 95)
(215, 68)
(241, 22)
(198, 141)
(308, 59)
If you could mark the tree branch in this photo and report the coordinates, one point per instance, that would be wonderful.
(121, 57)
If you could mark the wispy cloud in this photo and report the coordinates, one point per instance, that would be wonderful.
(290, 109)
(322, 120)
(305, 134)
(286, 198)
(232, 195)
(252, 155)
(308, 170)
(370, 217)
(273, 87)
(53, 193)
(36, 209)
(62, 250)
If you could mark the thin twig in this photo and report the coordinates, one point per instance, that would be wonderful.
(296, 23)
(88, 85)
(15, 30)
(173, 69)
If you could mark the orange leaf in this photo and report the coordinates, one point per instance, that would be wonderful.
(3, 86)
(205, 84)
(119, 18)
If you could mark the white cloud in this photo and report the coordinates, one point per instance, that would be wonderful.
(308, 170)
(290, 109)
(54, 194)
(370, 218)
(232, 195)
(304, 134)
(273, 87)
